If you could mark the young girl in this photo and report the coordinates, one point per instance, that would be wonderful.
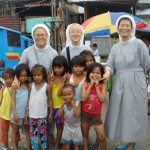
(93, 95)
(77, 78)
(5, 106)
(72, 125)
(89, 58)
(19, 98)
(60, 69)
(37, 105)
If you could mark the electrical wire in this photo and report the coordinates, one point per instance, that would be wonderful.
(28, 8)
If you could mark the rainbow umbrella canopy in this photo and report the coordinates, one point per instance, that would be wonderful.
(104, 24)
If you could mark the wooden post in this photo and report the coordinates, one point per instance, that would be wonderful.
(61, 27)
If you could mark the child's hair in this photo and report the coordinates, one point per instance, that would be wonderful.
(87, 53)
(68, 86)
(20, 68)
(41, 68)
(60, 61)
(8, 71)
(94, 45)
(91, 68)
(78, 60)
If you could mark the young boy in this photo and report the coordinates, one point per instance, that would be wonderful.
(72, 125)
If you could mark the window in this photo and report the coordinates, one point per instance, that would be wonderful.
(26, 44)
(13, 39)
(2, 64)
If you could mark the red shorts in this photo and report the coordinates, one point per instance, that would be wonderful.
(4, 129)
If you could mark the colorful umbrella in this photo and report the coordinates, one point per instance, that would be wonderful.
(104, 24)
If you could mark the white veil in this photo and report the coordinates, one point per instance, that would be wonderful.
(68, 40)
(133, 25)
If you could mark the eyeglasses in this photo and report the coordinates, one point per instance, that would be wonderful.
(40, 35)
(75, 32)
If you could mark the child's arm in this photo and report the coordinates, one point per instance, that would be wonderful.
(101, 95)
(85, 92)
(77, 109)
(49, 94)
(27, 107)
(61, 110)
(13, 101)
(65, 81)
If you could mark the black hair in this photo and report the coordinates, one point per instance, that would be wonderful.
(78, 60)
(68, 86)
(41, 68)
(125, 18)
(87, 53)
(92, 67)
(22, 67)
(9, 71)
(94, 45)
(60, 61)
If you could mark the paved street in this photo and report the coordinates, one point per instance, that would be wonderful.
(111, 144)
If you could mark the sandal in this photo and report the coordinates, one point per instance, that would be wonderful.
(122, 147)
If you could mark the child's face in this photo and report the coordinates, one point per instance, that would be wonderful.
(95, 75)
(8, 79)
(38, 76)
(58, 70)
(23, 76)
(89, 60)
(78, 70)
(68, 95)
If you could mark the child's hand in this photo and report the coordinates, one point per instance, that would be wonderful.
(97, 83)
(66, 77)
(64, 102)
(16, 118)
(73, 103)
(50, 118)
(50, 76)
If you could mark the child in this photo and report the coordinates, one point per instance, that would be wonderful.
(37, 105)
(5, 106)
(72, 126)
(78, 77)
(19, 98)
(60, 69)
(93, 95)
(89, 58)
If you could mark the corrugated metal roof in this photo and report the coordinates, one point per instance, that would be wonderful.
(37, 5)
(106, 1)
(11, 22)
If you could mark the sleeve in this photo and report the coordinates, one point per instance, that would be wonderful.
(110, 64)
(144, 57)
(24, 58)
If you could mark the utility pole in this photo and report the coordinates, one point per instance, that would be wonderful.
(53, 12)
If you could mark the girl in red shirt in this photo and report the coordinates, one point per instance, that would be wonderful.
(93, 95)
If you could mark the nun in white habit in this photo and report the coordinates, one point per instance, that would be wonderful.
(74, 40)
(126, 118)
(41, 51)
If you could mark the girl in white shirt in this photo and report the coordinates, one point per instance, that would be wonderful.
(39, 93)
